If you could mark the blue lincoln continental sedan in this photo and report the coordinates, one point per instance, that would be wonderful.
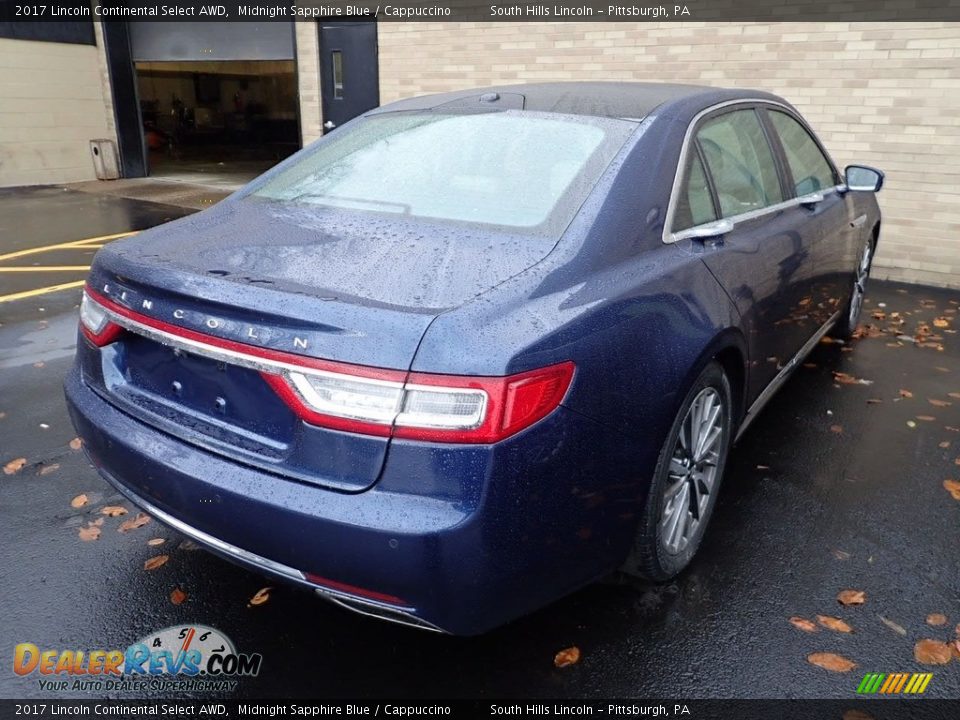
(473, 351)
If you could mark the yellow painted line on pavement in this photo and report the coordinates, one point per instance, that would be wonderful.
(41, 291)
(45, 268)
(80, 244)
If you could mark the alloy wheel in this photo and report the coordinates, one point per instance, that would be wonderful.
(859, 286)
(692, 475)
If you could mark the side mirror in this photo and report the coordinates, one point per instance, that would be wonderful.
(862, 177)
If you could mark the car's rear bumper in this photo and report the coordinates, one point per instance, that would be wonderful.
(460, 541)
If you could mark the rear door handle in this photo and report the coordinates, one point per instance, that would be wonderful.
(811, 199)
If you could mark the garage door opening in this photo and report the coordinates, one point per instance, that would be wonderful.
(217, 122)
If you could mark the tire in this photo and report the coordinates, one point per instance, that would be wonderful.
(659, 553)
(850, 318)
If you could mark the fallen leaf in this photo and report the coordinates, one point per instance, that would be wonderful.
(852, 597)
(911, 424)
(906, 394)
(261, 596)
(139, 520)
(926, 418)
(188, 545)
(153, 542)
(155, 562)
(955, 396)
(831, 662)
(939, 403)
(566, 657)
(838, 429)
(952, 487)
(89, 533)
(833, 623)
(898, 629)
(177, 596)
(936, 619)
(941, 322)
(39, 364)
(76, 444)
(47, 469)
(874, 401)
(841, 554)
(79, 501)
(945, 444)
(804, 624)
(113, 510)
(846, 379)
(931, 652)
(14, 466)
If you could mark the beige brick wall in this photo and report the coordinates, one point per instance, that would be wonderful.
(308, 79)
(886, 94)
(51, 105)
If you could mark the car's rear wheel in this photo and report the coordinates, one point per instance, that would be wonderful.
(847, 324)
(686, 480)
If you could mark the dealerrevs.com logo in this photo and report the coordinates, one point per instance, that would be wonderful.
(178, 658)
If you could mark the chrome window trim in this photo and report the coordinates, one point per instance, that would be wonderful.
(669, 236)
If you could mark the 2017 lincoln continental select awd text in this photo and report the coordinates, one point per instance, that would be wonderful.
(472, 351)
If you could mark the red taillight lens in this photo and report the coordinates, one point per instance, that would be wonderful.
(434, 408)
(95, 322)
(354, 398)
(512, 403)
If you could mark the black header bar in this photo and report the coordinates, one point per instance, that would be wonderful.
(473, 11)
(215, 709)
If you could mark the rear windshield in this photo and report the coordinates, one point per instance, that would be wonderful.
(520, 170)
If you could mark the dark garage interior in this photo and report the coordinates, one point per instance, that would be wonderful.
(203, 116)
(218, 105)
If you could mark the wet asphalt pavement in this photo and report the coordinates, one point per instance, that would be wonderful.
(826, 492)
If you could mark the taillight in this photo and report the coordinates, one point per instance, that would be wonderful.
(355, 398)
(435, 408)
(95, 322)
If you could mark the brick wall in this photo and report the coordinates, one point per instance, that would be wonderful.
(885, 94)
(308, 79)
(52, 104)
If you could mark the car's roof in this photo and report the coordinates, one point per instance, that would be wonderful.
(634, 100)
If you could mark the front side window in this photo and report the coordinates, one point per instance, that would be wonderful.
(810, 168)
(694, 204)
(520, 170)
(740, 162)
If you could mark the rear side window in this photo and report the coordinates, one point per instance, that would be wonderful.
(694, 204)
(740, 162)
(810, 168)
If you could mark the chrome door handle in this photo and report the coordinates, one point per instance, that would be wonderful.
(811, 199)
(329, 125)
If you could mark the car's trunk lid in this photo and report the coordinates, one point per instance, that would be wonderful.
(328, 285)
